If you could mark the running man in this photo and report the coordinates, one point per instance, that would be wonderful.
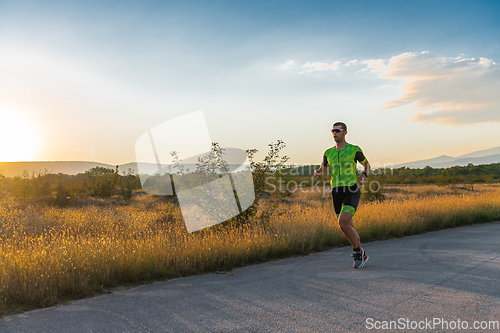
(342, 159)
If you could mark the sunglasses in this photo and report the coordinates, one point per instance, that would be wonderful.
(337, 130)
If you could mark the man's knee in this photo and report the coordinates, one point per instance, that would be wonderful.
(345, 219)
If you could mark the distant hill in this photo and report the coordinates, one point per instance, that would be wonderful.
(428, 162)
(12, 169)
(470, 160)
(482, 153)
(486, 156)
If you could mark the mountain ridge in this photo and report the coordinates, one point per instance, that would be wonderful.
(485, 156)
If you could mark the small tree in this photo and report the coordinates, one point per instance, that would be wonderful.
(372, 191)
(270, 176)
(3, 185)
(129, 184)
(41, 185)
(63, 196)
(22, 187)
(102, 182)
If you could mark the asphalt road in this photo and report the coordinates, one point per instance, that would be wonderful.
(451, 275)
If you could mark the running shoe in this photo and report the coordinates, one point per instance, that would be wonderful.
(360, 258)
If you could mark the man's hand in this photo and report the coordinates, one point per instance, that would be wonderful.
(364, 179)
(318, 173)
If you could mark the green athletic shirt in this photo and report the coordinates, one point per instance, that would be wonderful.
(343, 164)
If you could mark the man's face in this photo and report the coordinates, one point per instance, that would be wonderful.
(338, 133)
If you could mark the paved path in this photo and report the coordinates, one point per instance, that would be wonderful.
(448, 275)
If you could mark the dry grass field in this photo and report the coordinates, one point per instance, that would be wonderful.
(49, 255)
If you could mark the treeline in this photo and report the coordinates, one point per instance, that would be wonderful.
(60, 189)
(484, 173)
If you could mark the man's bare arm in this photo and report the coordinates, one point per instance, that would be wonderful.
(366, 170)
(367, 167)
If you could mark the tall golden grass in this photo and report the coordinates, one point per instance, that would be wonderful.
(48, 254)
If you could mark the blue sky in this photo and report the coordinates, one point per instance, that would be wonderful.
(412, 79)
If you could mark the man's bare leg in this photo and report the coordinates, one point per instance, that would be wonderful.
(345, 222)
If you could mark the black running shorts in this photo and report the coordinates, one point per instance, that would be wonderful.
(346, 198)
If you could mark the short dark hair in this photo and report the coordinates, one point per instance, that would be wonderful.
(338, 123)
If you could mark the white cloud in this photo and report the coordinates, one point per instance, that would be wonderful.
(450, 91)
(319, 66)
(374, 65)
(287, 65)
(351, 62)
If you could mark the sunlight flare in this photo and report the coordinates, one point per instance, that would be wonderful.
(19, 139)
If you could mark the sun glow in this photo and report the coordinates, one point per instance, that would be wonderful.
(19, 140)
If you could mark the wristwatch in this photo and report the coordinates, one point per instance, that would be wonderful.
(365, 174)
